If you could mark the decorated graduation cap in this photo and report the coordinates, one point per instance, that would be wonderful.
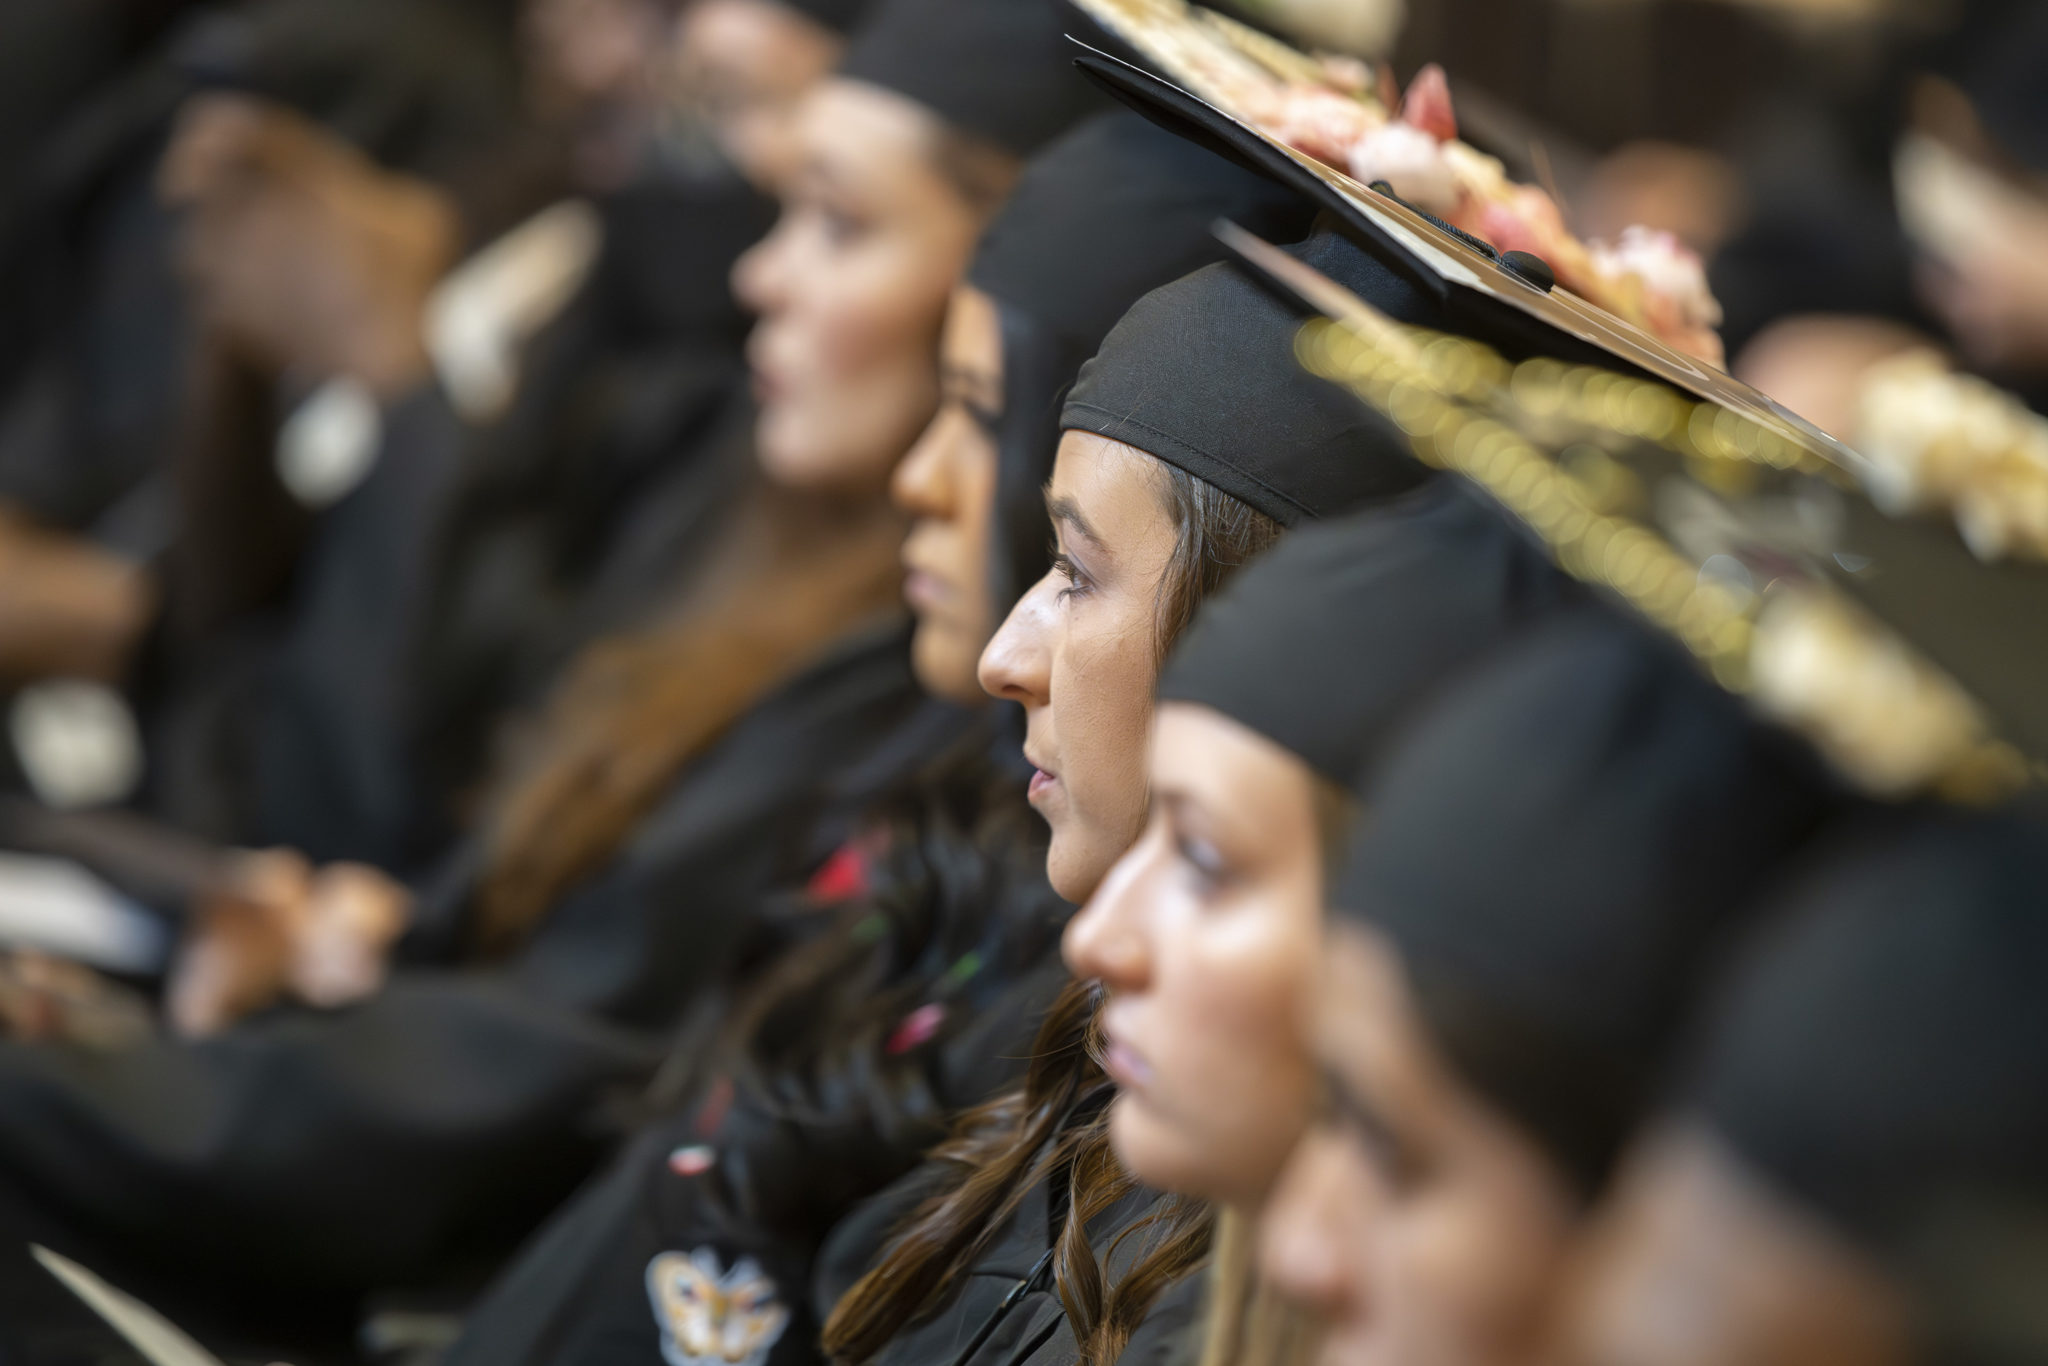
(1909, 660)
(1882, 1062)
(1799, 570)
(1115, 208)
(1558, 852)
(1253, 99)
(1000, 70)
(1331, 640)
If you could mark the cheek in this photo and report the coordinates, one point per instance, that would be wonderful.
(865, 325)
(1102, 710)
(1478, 1273)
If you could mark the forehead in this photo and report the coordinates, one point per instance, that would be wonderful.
(859, 136)
(1365, 1029)
(1228, 767)
(973, 338)
(1109, 483)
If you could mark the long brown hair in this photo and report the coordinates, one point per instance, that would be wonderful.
(787, 578)
(1000, 1150)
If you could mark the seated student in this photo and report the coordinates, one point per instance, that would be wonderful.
(521, 493)
(1852, 1169)
(734, 1179)
(793, 541)
(1204, 937)
(688, 772)
(97, 342)
(1192, 439)
(1542, 876)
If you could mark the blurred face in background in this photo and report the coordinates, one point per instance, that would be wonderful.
(851, 288)
(1415, 1221)
(1080, 652)
(1204, 939)
(587, 53)
(744, 67)
(1693, 1262)
(948, 486)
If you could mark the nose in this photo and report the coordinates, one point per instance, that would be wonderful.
(1017, 665)
(1106, 939)
(758, 277)
(922, 485)
(1310, 1247)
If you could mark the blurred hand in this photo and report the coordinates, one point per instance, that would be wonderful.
(277, 930)
(302, 250)
(67, 608)
(343, 951)
(53, 1000)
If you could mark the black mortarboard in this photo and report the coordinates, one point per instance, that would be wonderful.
(1882, 1060)
(1202, 374)
(1558, 852)
(1330, 640)
(1113, 209)
(1001, 70)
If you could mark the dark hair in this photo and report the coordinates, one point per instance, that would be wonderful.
(1215, 535)
(956, 909)
(978, 170)
(1000, 1150)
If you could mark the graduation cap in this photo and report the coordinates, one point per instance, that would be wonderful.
(1910, 662)
(1219, 64)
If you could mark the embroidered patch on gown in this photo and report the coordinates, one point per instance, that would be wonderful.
(709, 1316)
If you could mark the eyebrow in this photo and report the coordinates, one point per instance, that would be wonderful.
(1369, 1122)
(965, 380)
(1064, 510)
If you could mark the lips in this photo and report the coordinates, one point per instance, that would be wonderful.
(1041, 783)
(1126, 1065)
(922, 589)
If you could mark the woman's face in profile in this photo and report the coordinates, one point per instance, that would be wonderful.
(851, 288)
(1204, 938)
(948, 486)
(1418, 1224)
(1080, 652)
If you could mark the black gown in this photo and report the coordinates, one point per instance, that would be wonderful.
(1032, 1330)
(450, 584)
(424, 1131)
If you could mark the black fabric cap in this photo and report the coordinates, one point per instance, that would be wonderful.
(1330, 640)
(1202, 375)
(841, 16)
(1001, 70)
(1559, 852)
(1113, 209)
(1883, 1060)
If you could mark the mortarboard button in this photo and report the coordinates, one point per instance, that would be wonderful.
(1530, 269)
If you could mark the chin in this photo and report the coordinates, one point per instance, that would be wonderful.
(943, 667)
(1154, 1152)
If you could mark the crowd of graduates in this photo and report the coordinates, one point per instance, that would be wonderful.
(700, 682)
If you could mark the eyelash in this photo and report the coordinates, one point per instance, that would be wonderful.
(1207, 865)
(1077, 582)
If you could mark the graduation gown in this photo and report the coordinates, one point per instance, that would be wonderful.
(468, 564)
(398, 1140)
(739, 1196)
(1033, 1329)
